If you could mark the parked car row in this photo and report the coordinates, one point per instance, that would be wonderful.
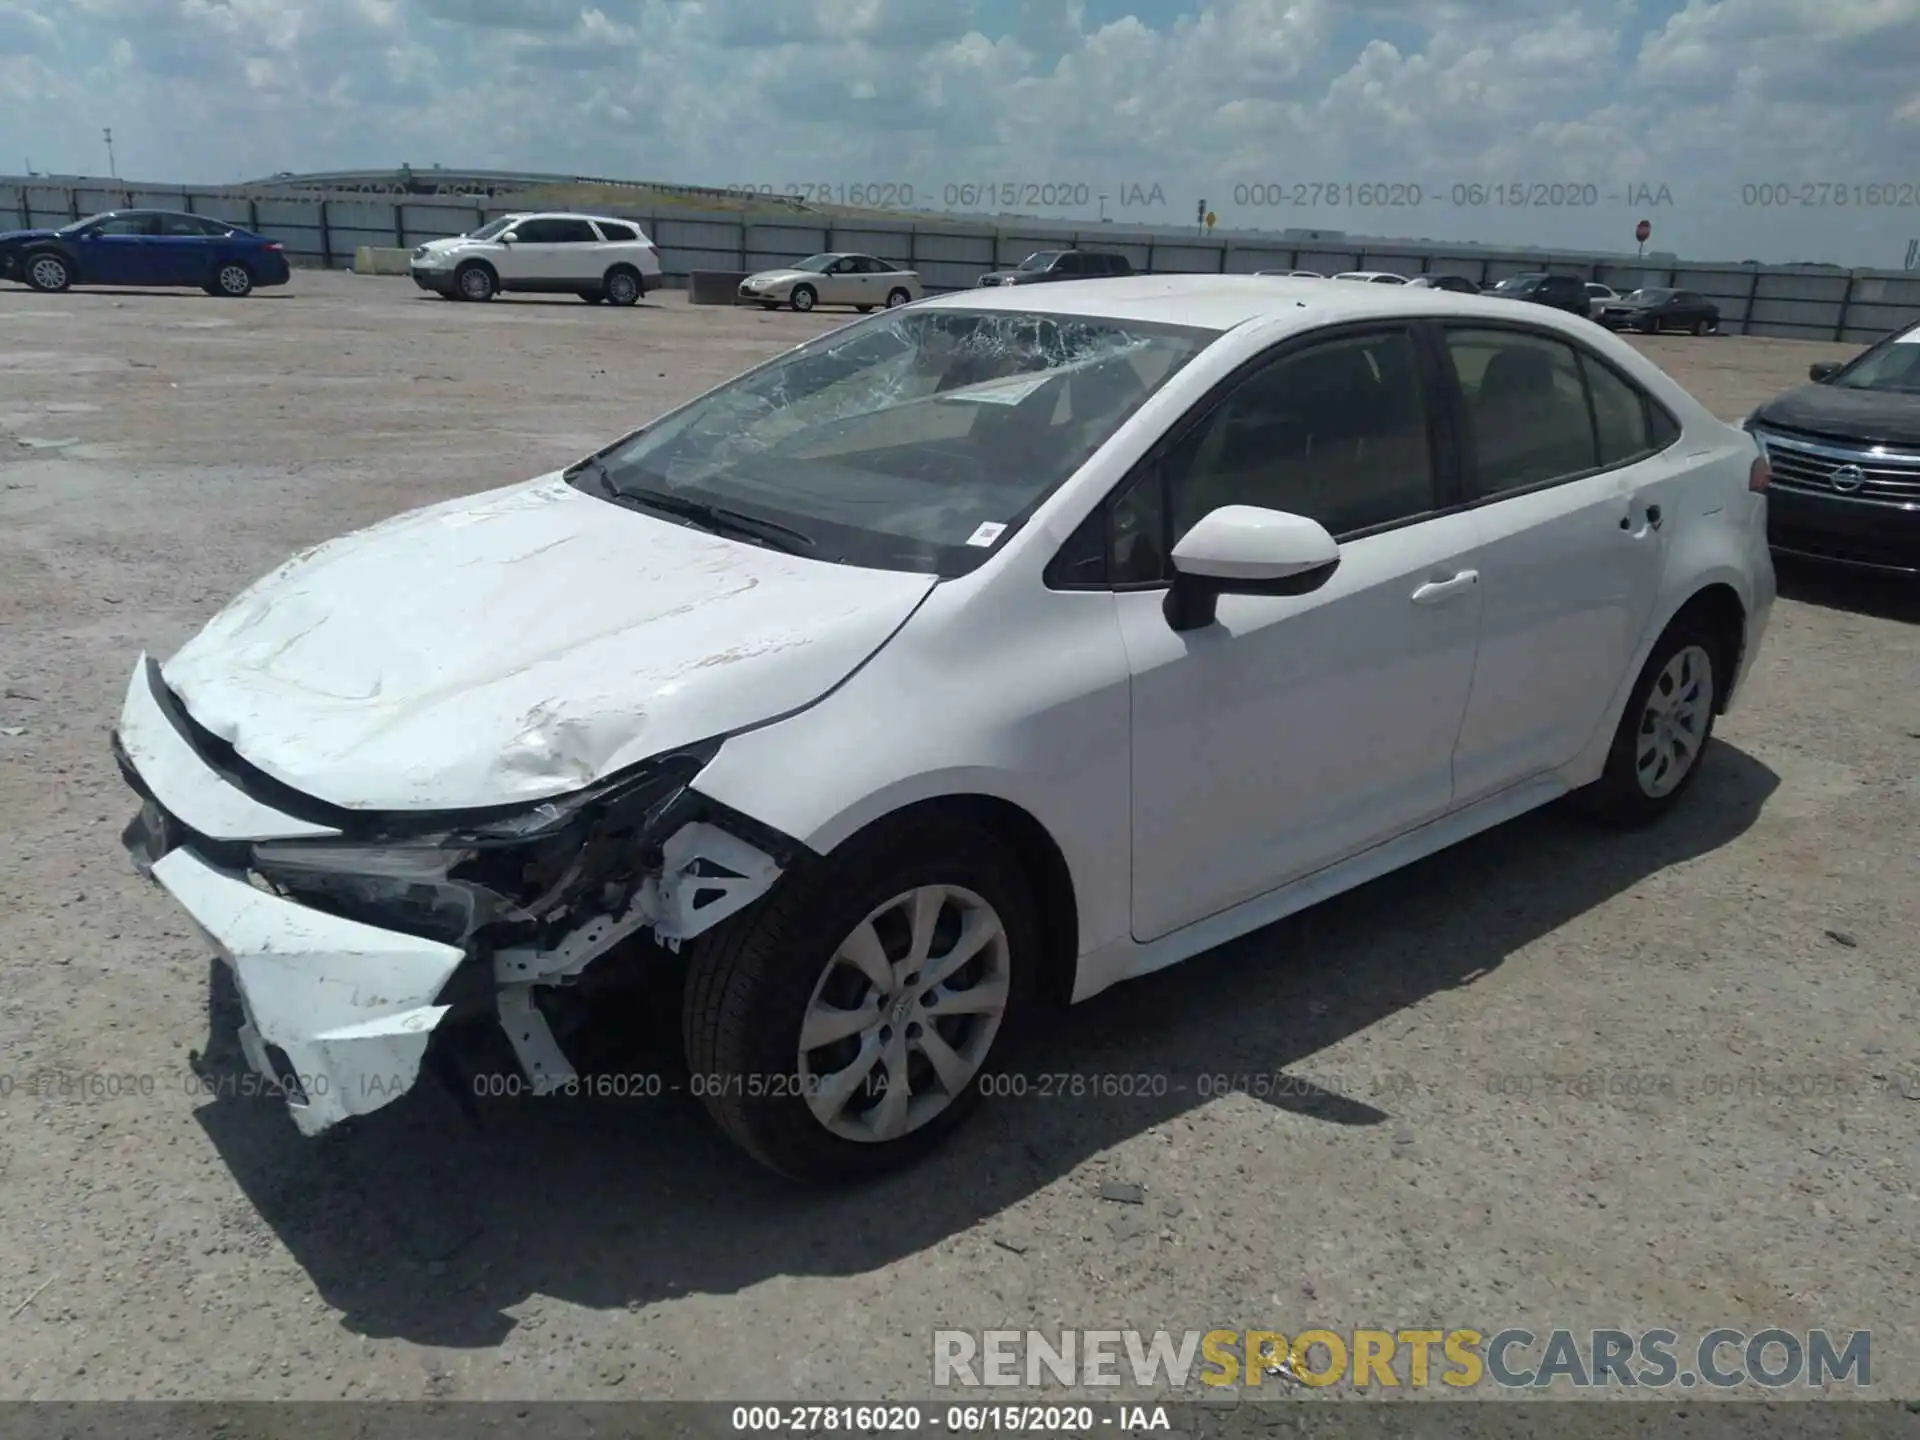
(602, 259)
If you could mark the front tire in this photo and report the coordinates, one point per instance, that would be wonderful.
(475, 282)
(804, 298)
(49, 272)
(1664, 732)
(897, 297)
(840, 1027)
(592, 297)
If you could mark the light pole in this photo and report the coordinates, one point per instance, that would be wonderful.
(112, 173)
(1103, 207)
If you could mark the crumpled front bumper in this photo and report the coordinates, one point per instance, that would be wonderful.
(338, 1013)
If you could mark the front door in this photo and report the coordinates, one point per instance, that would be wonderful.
(1574, 513)
(119, 251)
(1296, 731)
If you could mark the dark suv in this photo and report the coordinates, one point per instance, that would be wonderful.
(1561, 292)
(1045, 265)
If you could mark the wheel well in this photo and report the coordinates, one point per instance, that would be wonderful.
(476, 265)
(1718, 607)
(622, 268)
(1040, 858)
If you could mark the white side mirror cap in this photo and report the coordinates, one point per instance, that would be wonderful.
(1245, 543)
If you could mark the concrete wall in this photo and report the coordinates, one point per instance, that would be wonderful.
(1858, 306)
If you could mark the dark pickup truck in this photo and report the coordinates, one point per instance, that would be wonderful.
(1044, 265)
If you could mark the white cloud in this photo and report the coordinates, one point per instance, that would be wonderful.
(1192, 96)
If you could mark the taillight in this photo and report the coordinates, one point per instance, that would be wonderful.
(275, 245)
(1758, 474)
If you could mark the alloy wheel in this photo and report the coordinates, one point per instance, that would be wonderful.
(904, 1014)
(49, 273)
(1673, 726)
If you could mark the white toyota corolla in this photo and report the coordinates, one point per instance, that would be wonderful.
(970, 658)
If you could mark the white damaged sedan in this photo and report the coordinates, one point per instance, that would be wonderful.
(966, 660)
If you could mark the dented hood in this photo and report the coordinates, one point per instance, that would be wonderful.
(519, 644)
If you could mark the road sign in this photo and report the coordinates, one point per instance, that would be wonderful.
(1913, 255)
(1200, 213)
(1211, 217)
(1642, 231)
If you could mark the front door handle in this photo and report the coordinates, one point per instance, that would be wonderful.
(1436, 592)
(1653, 517)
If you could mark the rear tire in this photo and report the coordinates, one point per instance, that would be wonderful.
(1665, 731)
(806, 957)
(622, 286)
(1700, 327)
(232, 281)
(474, 281)
(47, 271)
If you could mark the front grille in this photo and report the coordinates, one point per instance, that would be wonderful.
(1885, 475)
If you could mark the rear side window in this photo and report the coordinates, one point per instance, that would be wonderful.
(573, 232)
(614, 230)
(1526, 405)
(1619, 414)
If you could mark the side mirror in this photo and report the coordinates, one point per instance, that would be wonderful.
(1822, 371)
(508, 238)
(1246, 550)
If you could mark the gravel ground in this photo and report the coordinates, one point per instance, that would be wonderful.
(1734, 979)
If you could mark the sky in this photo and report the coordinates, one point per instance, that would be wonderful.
(1774, 130)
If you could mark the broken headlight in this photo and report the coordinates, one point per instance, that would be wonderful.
(444, 877)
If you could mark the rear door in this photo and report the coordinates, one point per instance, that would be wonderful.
(1573, 501)
(577, 251)
(183, 249)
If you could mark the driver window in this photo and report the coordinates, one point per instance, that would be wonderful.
(125, 225)
(1336, 432)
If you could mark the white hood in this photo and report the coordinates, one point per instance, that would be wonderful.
(781, 277)
(519, 644)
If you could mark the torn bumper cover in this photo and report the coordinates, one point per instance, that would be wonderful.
(344, 930)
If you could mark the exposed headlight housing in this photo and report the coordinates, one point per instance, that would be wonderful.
(447, 876)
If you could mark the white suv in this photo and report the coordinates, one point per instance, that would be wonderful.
(592, 256)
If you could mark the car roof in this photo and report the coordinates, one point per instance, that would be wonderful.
(1222, 302)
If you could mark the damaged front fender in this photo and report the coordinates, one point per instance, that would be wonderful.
(706, 875)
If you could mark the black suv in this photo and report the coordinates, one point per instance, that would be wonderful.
(1845, 456)
(1045, 265)
(1561, 292)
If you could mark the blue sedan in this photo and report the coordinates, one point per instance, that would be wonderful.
(143, 247)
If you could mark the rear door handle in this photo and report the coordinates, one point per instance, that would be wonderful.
(1653, 517)
(1436, 592)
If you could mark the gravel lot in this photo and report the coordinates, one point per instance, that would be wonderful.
(159, 451)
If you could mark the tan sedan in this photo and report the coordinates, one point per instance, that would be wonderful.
(839, 278)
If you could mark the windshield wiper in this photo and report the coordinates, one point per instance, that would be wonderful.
(717, 519)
